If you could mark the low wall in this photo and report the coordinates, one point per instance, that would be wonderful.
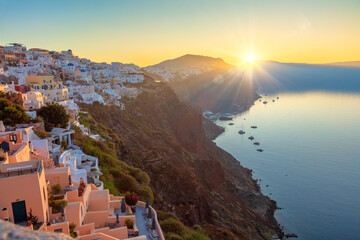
(158, 228)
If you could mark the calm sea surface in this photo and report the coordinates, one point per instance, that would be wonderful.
(310, 162)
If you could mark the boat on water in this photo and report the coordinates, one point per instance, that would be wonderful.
(231, 124)
(256, 143)
(241, 131)
(259, 150)
(225, 118)
(251, 138)
(253, 126)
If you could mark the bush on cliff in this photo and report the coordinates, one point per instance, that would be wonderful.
(118, 176)
(54, 115)
(174, 229)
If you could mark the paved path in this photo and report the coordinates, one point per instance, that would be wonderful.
(141, 222)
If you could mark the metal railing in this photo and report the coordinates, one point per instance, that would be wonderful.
(19, 172)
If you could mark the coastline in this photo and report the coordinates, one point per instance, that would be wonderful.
(213, 134)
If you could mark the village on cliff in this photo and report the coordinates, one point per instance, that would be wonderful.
(47, 183)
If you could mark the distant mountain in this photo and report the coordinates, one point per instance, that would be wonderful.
(206, 83)
(182, 67)
(349, 64)
(192, 61)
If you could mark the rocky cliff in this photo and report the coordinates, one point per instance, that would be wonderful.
(190, 176)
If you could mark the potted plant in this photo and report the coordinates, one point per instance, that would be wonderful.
(129, 223)
(131, 198)
(32, 220)
(81, 188)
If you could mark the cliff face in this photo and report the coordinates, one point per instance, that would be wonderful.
(190, 175)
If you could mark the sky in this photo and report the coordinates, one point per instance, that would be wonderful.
(146, 32)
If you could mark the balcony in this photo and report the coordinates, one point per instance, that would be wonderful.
(21, 168)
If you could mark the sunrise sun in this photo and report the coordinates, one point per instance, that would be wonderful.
(250, 59)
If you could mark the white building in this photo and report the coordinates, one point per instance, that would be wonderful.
(33, 100)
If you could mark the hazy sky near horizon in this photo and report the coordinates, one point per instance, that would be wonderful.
(146, 32)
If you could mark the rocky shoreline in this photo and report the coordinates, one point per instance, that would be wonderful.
(272, 207)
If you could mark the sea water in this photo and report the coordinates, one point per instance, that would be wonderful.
(311, 159)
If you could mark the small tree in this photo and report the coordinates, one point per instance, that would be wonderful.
(12, 113)
(54, 115)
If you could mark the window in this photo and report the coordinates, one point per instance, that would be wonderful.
(44, 193)
(13, 138)
(59, 230)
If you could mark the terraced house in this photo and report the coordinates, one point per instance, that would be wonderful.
(67, 196)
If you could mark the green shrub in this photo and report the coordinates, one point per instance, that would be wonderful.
(146, 193)
(165, 215)
(173, 236)
(125, 182)
(12, 113)
(72, 227)
(42, 134)
(129, 223)
(193, 235)
(57, 205)
(173, 226)
(56, 189)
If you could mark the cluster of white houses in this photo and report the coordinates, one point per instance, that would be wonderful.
(45, 187)
(61, 75)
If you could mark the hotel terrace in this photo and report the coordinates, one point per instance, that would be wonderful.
(64, 196)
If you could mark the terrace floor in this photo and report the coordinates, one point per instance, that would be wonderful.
(141, 223)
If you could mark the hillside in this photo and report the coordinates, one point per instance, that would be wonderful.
(189, 175)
